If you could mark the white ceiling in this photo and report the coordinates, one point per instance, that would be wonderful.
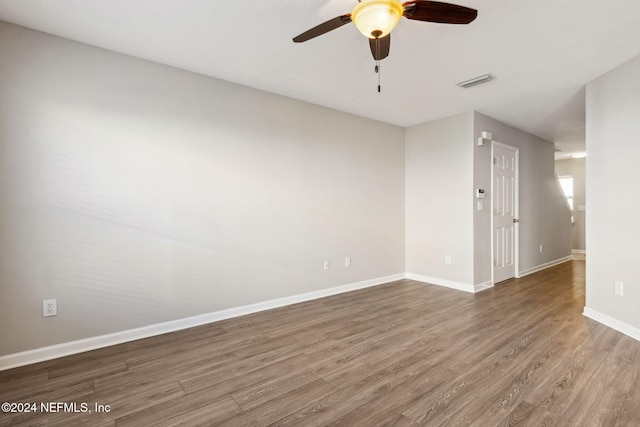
(542, 53)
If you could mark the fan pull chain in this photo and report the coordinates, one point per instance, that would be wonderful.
(378, 61)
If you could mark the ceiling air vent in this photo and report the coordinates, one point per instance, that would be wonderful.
(485, 78)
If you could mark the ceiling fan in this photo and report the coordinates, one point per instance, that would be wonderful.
(377, 18)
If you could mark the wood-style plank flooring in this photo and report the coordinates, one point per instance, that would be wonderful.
(399, 354)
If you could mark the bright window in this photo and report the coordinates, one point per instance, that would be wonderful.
(566, 182)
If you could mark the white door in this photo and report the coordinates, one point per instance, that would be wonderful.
(505, 211)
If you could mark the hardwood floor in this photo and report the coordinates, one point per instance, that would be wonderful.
(398, 354)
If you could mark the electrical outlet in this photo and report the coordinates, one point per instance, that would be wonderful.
(447, 259)
(347, 262)
(49, 308)
(619, 287)
(541, 248)
(326, 265)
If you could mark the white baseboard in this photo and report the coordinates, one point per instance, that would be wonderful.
(65, 349)
(616, 324)
(578, 251)
(544, 266)
(479, 287)
(441, 282)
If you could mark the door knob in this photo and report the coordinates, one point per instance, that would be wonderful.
(515, 220)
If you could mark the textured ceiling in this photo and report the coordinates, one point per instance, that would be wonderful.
(542, 53)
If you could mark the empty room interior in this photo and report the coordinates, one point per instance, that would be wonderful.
(276, 213)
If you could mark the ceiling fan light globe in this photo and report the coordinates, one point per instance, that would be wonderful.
(376, 18)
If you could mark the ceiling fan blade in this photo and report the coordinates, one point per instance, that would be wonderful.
(380, 47)
(325, 27)
(435, 11)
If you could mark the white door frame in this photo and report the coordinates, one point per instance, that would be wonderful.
(516, 229)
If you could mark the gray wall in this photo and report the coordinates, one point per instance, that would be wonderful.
(444, 167)
(544, 216)
(439, 217)
(613, 129)
(136, 193)
(576, 168)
